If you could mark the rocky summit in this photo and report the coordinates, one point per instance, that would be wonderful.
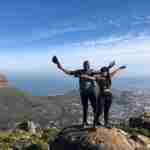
(78, 138)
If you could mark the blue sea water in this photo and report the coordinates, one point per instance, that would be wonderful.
(43, 85)
(51, 85)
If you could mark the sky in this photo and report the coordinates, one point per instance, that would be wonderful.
(32, 31)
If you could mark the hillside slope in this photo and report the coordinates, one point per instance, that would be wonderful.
(63, 110)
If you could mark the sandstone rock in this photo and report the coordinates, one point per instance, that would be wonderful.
(145, 140)
(77, 138)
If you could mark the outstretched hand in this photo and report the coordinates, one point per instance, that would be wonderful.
(123, 67)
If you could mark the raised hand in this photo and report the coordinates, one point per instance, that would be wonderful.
(123, 67)
(56, 61)
(111, 64)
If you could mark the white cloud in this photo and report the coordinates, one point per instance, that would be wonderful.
(24, 61)
(133, 50)
(130, 49)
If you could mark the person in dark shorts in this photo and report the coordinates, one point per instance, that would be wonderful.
(104, 99)
(87, 87)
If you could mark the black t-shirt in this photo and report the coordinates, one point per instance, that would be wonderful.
(104, 85)
(85, 84)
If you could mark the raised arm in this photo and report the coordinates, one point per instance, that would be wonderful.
(111, 64)
(59, 66)
(66, 71)
(113, 73)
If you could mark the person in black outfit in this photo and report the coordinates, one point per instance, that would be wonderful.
(87, 87)
(104, 99)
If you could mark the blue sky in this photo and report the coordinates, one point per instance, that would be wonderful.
(32, 31)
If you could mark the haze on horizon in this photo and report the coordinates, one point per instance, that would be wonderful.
(32, 31)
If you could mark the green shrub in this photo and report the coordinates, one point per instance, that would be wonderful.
(49, 134)
(134, 131)
(38, 141)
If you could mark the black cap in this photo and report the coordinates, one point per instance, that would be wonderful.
(55, 59)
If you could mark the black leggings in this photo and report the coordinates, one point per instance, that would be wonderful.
(104, 102)
(85, 96)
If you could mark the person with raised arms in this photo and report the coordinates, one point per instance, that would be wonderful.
(104, 99)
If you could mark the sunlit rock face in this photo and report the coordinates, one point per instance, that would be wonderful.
(78, 138)
(3, 81)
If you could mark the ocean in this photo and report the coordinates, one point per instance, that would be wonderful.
(51, 85)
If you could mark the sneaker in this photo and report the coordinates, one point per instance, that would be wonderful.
(96, 124)
(109, 126)
(85, 124)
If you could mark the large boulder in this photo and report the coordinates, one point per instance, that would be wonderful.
(77, 138)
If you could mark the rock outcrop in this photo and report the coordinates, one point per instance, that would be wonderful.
(28, 126)
(142, 121)
(3, 81)
(77, 138)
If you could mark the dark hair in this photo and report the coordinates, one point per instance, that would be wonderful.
(85, 63)
(106, 69)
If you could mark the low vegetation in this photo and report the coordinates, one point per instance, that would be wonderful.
(134, 131)
(27, 141)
